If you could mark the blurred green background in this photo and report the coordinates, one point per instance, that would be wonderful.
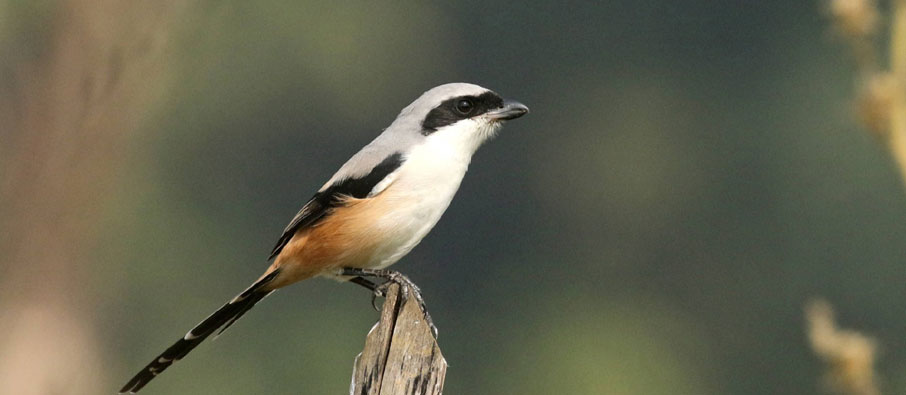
(690, 175)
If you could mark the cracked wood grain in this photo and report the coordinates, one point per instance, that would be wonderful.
(401, 355)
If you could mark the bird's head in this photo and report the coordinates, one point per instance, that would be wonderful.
(462, 115)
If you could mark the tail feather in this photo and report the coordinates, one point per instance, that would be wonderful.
(222, 318)
(244, 308)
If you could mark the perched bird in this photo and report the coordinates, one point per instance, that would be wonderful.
(374, 210)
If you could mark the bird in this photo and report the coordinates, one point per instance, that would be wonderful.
(374, 210)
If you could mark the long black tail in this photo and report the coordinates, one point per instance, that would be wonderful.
(222, 318)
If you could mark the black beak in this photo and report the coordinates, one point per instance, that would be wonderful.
(511, 110)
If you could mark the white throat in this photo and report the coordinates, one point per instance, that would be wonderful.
(426, 183)
(463, 138)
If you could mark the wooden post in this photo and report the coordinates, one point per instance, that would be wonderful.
(401, 355)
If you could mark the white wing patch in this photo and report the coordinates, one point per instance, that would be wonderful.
(381, 186)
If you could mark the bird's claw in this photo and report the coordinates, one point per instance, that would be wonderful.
(406, 286)
(374, 296)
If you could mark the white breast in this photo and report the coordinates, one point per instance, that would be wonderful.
(420, 193)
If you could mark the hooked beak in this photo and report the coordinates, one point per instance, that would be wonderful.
(511, 110)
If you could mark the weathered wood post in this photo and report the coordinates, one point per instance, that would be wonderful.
(401, 355)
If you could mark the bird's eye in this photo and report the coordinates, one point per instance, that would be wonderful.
(464, 106)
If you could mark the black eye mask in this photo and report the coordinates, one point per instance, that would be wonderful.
(451, 110)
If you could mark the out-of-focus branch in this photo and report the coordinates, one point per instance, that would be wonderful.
(72, 107)
(849, 355)
(857, 21)
(882, 99)
(897, 133)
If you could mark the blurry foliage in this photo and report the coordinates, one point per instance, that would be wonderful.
(689, 175)
(849, 355)
(881, 101)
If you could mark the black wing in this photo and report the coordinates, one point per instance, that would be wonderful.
(320, 205)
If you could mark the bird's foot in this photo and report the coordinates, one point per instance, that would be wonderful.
(391, 277)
